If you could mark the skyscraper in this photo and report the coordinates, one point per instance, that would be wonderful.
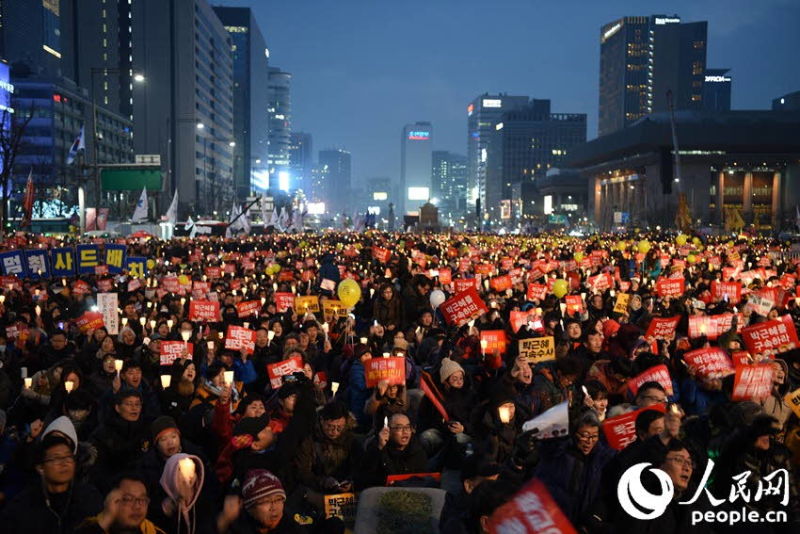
(250, 97)
(449, 176)
(415, 165)
(279, 111)
(717, 90)
(336, 163)
(483, 114)
(301, 160)
(641, 59)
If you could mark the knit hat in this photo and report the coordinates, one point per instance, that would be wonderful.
(449, 367)
(161, 425)
(610, 328)
(258, 484)
(401, 344)
(251, 426)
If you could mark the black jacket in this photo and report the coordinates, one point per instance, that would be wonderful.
(33, 512)
(380, 463)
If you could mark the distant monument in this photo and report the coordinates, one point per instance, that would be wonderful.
(428, 217)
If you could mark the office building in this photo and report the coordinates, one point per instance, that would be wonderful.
(335, 164)
(788, 102)
(644, 58)
(186, 114)
(301, 160)
(449, 185)
(415, 165)
(483, 115)
(279, 113)
(250, 98)
(745, 161)
(717, 90)
(33, 40)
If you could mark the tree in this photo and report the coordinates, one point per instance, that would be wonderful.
(12, 133)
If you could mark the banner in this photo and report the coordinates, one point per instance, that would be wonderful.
(107, 304)
(711, 362)
(204, 310)
(495, 341)
(713, 326)
(88, 259)
(136, 266)
(670, 287)
(115, 258)
(770, 338)
(247, 308)
(63, 261)
(621, 305)
(38, 266)
(662, 328)
(333, 308)
(463, 307)
(519, 318)
(13, 263)
(658, 373)
(283, 368)
(536, 292)
(620, 431)
(730, 290)
(500, 283)
(537, 349)
(532, 510)
(431, 391)
(445, 276)
(752, 382)
(307, 304)
(89, 321)
(172, 350)
(381, 254)
(552, 423)
(283, 301)
(600, 282)
(170, 284)
(238, 338)
(759, 304)
(392, 369)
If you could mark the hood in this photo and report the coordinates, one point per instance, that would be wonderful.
(64, 426)
(169, 480)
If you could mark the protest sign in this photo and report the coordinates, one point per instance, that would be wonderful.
(495, 341)
(537, 349)
(172, 350)
(392, 369)
(620, 431)
(531, 510)
(341, 505)
(381, 254)
(248, 308)
(334, 308)
(309, 304)
(89, 321)
(463, 307)
(662, 327)
(752, 382)
(670, 287)
(621, 305)
(713, 326)
(518, 319)
(108, 304)
(792, 400)
(204, 310)
(759, 304)
(711, 362)
(770, 338)
(574, 305)
(501, 283)
(238, 338)
(276, 371)
(283, 301)
(730, 290)
(658, 373)
(536, 292)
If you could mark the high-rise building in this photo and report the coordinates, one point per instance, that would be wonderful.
(483, 114)
(528, 142)
(279, 111)
(301, 160)
(187, 113)
(717, 90)
(33, 38)
(449, 176)
(250, 98)
(644, 58)
(336, 165)
(415, 165)
(787, 102)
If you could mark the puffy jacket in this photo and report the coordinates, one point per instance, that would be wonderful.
(31, 512)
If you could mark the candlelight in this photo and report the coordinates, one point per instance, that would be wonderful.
(228, 375)
(246, 324)
(363, 340)
(28, 382)
(170, 323)
(186, 468)
(263, 301)
(2, 299)
(275, 287)
(183, 301)
(166, 380)
(271, 334)
(69, 385)
(386, 354)
(334, 387)
(211, 345)
(504, 412)
(186, 335)
(153, 324)
(484, 344)
(124, 321)
(118, 365)
(142, 321)
(38, 310)
(385, 422)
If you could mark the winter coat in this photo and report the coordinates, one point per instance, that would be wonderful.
(377, 464)
(321, 458)
(90, 526)
(388, 312)
(774, 405)
(120, 444)
(31, 512)
(459, 405)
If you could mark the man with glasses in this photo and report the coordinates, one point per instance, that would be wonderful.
(395, 451)
(55, 503)
(125, 510)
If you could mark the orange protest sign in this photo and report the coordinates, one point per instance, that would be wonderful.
(393, 370)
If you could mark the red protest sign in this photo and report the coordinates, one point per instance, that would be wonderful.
(81, 288)
(599, 283)
(238, 338)
(620, 431)
(464, 284)
(662, 327)
(536, 292)
(658, 373)
(752, 382)
(381, 254)
(670, 287)
(519, 318)
(213, 272)
(283, 368)
(765, 340)
(710, 362)
(713, 326)
(283, 301)
(495, 341)
(445, 276)
(731, 290)
(574, 304)
(170, 284)
(459, 309)
(501, 283)
(172, 350)
(531, 510)
(248, 308)
(393, 370)
(89, 321)
(204, 310)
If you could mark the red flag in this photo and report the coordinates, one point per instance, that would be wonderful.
(428, 387)
(27, 203)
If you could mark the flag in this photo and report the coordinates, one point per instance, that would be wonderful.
(273, 219)
(191, 227)
(78, 144)
(283, 219)
(233, 223)
(172, 212)
(140, 213)
(27, 203)
(245, 222)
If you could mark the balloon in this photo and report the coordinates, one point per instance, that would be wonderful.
(349, 292)
(696, 241)
(183, 280)
(622, 246)
(644, 246)
(681, 240)
(436, 298)
(691, 258)
(560, 288)
(578, 256)
(151, 264)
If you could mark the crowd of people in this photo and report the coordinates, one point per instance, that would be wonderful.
(155, 420)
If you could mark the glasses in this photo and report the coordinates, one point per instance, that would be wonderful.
(683, 462)
(130, 500)
(583, 436)
(401, 428)
(62, 460)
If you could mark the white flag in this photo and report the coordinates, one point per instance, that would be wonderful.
(273, 219)
(172, 211)
(245, 222)
(191, 227)
(78, 144)
(283, 219)
(140, 213)
(552, 423)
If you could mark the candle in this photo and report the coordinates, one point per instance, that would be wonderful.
(38, 310)
(271, 335)
(228, 377)
(263, 301)
(334, 387)
(186, 468)
(118, 365)
(142, 321)
(28, 382)
(363, 340)
(386, 354)
(170, 323)
(152, 324)
(504, 412)
(484, 344)
(385, 422)
(69, 385)
(124, 321)
(166, 380)
(2, 299)
(211, 345)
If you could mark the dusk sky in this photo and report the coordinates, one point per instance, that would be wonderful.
(364, 68)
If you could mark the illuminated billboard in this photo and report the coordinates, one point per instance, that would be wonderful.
(283, 181)
(419, 135)
(418, 193)
(380, 195)
(492, 103)
(316, 208)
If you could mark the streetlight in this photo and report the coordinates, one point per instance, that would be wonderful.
(200, 125)
(232, 144)
(139, 77)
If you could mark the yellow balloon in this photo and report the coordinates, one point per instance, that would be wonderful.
(349, 292)
(644, 246)
(578, 256)
(151, 264)
(696, 241)
(681, 240)
(183, 279)
(622, 246)
(560, 288)
(691, 258)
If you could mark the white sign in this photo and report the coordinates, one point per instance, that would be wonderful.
(552, 423)
(418, 193)
(107, 304)
(148, 159)
(668, 20)
(492, 103)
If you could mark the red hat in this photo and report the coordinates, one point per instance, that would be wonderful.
(610, 328)
(260, 483)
